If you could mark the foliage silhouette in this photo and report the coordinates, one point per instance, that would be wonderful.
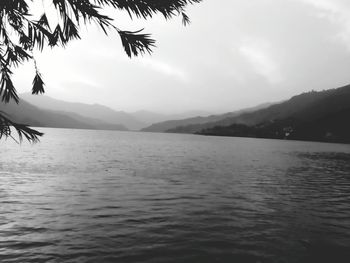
(20, 34)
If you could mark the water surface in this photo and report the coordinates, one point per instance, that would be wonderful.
(104, 196)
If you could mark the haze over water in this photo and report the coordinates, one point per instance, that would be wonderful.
(104, 196)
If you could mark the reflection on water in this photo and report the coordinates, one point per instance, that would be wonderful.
(133, 197)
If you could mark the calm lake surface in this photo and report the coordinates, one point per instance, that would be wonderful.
(105, 196)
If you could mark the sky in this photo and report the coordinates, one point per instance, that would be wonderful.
(234, 55)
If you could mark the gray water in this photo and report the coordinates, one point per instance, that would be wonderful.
(104, 196)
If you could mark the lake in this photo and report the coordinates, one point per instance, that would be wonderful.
(106, 196)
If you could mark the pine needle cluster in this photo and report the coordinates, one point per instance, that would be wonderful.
(21, 34)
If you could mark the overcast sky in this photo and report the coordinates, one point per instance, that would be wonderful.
(234, 55)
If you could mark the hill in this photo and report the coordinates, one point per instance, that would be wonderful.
(314, 116)
(150, 118)
(305, 107)
(31, 115)
(94, 111)
(194, 124)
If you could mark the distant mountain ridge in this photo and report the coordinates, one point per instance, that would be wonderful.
(306, 106)
(25, 113)
(318, 116)
(94, 111)
(197, 121)
(321, 116)
(132, 121)
(150, 118)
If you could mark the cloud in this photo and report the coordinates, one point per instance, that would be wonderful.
(337, 12)
(162, 67)
(112, 56)
(257, 54)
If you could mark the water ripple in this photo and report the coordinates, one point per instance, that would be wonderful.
(130, 197)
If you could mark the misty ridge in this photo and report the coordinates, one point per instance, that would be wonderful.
(44, 111)
(318, 116)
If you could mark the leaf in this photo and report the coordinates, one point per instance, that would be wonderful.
(135, 43)
(70, 30)
(22, 54)
(7, 89)
(22, 130)
(185, 19)
(43, 21)
(38, 85)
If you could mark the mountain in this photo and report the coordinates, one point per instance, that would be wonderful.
(190, 114)
(94, 111)
(195, 122)
(150, 118)
(315, 116)
(334, 127)
(304, 107)
(28, 114)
